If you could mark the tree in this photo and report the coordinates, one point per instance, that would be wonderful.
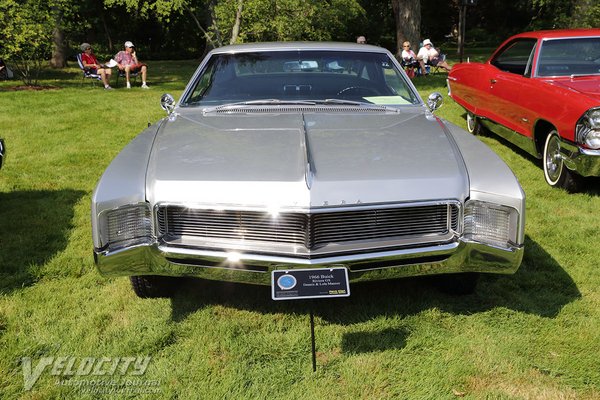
(235, 21)
(67, 23)
(554, 14)
(26, 36)
(407, 14)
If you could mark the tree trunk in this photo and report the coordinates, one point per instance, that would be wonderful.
(59, 50)
(238, 20)
(106, 32)
(210, 44)
(213, 27)
(407, 14)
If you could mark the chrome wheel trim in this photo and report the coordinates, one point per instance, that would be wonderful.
(471, 122)
(553, 163)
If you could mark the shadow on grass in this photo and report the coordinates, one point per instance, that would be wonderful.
(539, 287)
(35, 226)
(367, 342)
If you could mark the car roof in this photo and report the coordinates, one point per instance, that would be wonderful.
(278, 46)
(560, 33)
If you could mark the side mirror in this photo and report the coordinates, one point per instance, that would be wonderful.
(434, 101)
(167, 103)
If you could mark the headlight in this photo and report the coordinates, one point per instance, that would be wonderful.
(126, 226)
(491, 224)
(587, 131)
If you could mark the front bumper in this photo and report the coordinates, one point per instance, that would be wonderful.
(452, 257)
(585, 162)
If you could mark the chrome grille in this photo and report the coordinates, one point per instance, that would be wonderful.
(236, 225)
(378, 224)
(411, 224)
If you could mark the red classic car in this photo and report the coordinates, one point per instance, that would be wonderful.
(541, 91)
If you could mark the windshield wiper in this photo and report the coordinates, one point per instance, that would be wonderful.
(342, 102)
(279, 102)
(357, 103)
(261, 102)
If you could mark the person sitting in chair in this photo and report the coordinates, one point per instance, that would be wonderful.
(127, 61)
(90, 63)
(430, 55)
(410, 60)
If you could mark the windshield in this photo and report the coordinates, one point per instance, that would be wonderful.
(573, 56)
(291, 76)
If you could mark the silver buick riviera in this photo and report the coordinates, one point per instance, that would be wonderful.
(290, 156)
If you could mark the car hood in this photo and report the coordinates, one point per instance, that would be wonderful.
(589, 86)
(304, 159)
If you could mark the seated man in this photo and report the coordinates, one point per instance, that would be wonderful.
(429, 55)
(410, 60)
(127, 61)
(89, 61)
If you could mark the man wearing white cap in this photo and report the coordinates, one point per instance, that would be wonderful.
(127, 61)
(431, 56)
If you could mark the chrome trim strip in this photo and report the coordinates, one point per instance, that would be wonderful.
(311, 210)
(310, 171)
(516, 138)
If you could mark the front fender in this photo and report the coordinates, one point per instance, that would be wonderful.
(124, 180)
(490, 179)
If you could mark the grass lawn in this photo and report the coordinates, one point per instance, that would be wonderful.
(535, 334)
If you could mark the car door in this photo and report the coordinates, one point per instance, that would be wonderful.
(469, 86)
(510, 84)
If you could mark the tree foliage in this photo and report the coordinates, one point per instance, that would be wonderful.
(284, 20)
(33, 30)
(256, 20)
(553, 14)
(26, 36)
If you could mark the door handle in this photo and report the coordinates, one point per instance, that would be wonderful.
(492, 81)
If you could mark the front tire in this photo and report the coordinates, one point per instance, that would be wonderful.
(473, 124)
(556, 172)
(153, 286)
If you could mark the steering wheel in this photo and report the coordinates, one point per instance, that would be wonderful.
(358, 89)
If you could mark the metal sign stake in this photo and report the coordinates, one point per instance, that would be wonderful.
(312, 338)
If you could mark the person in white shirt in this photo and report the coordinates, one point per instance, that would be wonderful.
(431, 56)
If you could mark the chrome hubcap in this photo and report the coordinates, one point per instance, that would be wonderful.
(470, 122)
(553, 159)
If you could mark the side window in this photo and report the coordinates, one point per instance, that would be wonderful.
(516, 57)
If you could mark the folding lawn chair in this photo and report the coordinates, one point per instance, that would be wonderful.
(132, 75)
(87, 72)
